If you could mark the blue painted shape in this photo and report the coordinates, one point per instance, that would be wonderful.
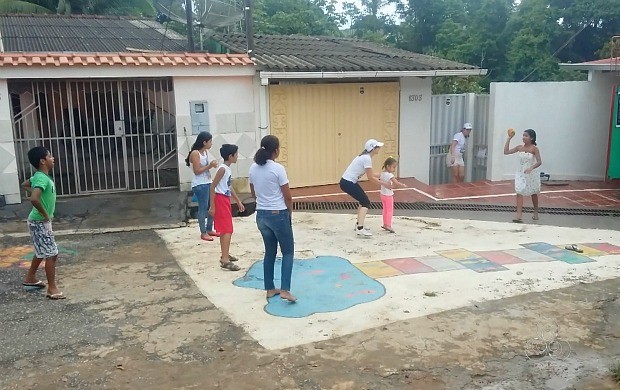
(321, 285)
(556, 253)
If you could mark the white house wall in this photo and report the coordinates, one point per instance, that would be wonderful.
(232, 119)
(9, 185)
(415, 127)
(571, 120)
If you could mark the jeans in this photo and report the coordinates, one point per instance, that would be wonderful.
(203, 191)
(276, 227)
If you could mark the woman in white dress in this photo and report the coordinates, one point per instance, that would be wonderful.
(527, 178)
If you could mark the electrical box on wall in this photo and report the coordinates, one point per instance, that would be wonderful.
(199, 114)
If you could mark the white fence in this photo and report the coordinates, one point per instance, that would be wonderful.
(448, 114)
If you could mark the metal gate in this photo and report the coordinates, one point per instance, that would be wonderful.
(449, 113)
(106, 136)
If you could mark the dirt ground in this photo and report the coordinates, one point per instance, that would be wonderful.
(134, 319)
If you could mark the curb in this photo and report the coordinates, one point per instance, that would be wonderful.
(73, 232)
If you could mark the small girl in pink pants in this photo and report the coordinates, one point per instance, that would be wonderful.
(387, 194)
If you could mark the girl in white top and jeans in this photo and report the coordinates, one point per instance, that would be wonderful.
(274, 205)
(201, 182)
(361, 165)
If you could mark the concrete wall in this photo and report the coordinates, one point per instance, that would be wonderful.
(9, 182)
(415, 127)
(571, 120)
(232, 119)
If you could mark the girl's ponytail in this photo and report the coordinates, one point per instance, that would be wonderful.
(268, 146)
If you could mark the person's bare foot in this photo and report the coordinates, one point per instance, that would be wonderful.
(535, 217)
(287, 296)
(206, 237)
(272, 293)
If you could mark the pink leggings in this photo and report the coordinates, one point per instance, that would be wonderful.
(388, 209)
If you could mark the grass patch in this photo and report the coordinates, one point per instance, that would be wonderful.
(430, 294)
(615, 371)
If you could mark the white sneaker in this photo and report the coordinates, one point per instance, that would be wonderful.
(363, 232)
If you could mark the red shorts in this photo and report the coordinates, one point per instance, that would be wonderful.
(223, 214)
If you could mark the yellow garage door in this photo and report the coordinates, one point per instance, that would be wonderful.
(322, 127)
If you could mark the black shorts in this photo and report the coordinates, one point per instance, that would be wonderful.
(356, 191)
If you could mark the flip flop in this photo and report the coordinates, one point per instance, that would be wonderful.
(37, 284)
(56, 296)
(574, 248)
(389, 229)
(517, 220)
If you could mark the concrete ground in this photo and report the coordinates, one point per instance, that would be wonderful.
(148, 308)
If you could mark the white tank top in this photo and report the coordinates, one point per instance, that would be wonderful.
(204, 177)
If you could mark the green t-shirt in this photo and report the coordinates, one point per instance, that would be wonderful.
(48, 197)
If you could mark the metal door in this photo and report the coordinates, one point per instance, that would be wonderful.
(321, 127)
(106, 136)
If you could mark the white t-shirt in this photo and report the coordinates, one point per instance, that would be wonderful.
(267, 180)
(204, 177)
(357, 168)
(223, 187)
(386, 176)
(461, 141)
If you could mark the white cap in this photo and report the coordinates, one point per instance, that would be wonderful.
(371, 144)
(467, 126)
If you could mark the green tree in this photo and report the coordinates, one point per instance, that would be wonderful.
(97, 7)
(369, 23)
(588, 26)
(26, 7)
(535, 33)
(111, 7)
(307, 17)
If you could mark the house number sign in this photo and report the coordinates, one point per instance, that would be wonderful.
(415, 98)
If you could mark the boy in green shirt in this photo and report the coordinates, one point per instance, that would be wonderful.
(43, 198)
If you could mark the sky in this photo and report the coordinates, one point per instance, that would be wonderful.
(389, 9)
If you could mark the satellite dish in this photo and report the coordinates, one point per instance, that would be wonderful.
(208, 14)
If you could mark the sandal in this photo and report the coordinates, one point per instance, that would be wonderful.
(517, 220)
(574, 248)
(388, 228)
(230, 266)
(232, 258)
(535, 217)
(56, 296)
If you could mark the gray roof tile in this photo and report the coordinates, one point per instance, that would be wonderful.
(304, 53)
(62, 33)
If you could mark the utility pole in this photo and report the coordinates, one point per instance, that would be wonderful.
(249, 27)
(189, 13)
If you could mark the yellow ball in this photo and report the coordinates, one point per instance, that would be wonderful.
(511, 132)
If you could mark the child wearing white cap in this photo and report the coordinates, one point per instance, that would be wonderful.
(362, 164)
(454, 159)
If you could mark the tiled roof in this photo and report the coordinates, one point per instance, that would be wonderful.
(605, 61)
(303, 53)
(122, 59)
(60, 33)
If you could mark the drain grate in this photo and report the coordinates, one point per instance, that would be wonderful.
(330, 206)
